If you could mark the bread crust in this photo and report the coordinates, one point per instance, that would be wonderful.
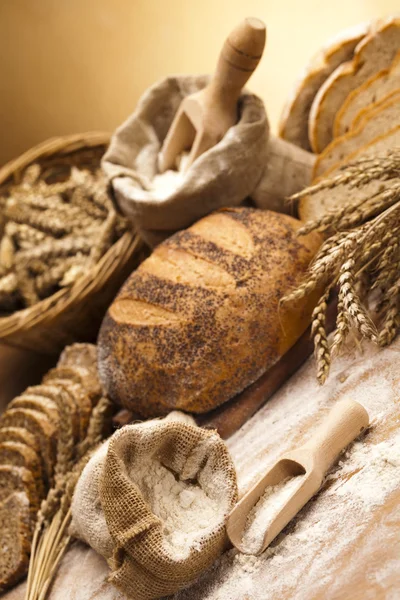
(375, 52)
(16, 531)
(371, 122)
(376, 87)
(199, 320)
(315, 206)
(293, 123)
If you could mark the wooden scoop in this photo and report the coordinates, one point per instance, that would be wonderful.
(343, 424)
(203, 118)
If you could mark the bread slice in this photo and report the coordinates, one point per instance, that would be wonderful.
(372, 91)
(79, 375)
(18, 454)
(19, 434)
(79, 355)
(18, 479)
(314, 206)
(374, 53)
(293, 125)
(15, 539)
(39, 425)
(372, 122)
(373, 110)
(41, 404)
(56, 392)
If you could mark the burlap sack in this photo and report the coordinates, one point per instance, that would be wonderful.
(113, 513)
(223, 176)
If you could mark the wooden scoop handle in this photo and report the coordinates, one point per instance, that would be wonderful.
(344, 423)
(239, 57)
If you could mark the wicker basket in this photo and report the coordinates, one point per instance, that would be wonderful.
(73, 313)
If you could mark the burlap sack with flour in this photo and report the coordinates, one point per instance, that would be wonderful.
(223, 176)
(153, 501)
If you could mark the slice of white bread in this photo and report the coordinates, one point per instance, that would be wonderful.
(374, 53)
(372, 122)
(15, 538)
(293, 125)
(314, 206)
(369, 93)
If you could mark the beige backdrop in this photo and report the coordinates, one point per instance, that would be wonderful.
(74, 65)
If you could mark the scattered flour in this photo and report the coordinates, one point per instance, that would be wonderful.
(343, 528)
(265, 511)
(187, 512)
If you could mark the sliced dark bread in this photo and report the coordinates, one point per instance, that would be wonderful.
(39, 425)
(19, 434)
(36, 402)
(18, 454)
(372, 91)
(372, 123)
(314, 206)
(79, 375)
(15, 538)
(65, 402)
(19, 479)
(375, 52)
(79, 355)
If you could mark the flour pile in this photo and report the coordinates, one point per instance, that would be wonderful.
(153, 500)
(187, 512)
(266, 510)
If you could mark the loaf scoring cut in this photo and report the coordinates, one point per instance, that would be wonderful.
(176, 337)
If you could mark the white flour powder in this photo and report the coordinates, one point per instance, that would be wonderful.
(165, 184)
(343, 528)
(265, 511)
(187, 512)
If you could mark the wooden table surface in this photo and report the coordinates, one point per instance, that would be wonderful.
(344, 545)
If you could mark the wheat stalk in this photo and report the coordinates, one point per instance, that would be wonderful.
(361, 257)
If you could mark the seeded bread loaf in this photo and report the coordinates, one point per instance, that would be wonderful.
(372, 122)
(198, 321)
(374, 53)
(15, 538)
(315, 206)
(373, 90)
(293, 125)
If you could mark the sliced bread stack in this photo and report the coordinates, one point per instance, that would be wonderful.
(30, 430)
(367, 74)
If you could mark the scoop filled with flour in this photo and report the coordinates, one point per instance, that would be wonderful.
(265, 512)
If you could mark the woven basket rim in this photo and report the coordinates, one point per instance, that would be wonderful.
(122, 249)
